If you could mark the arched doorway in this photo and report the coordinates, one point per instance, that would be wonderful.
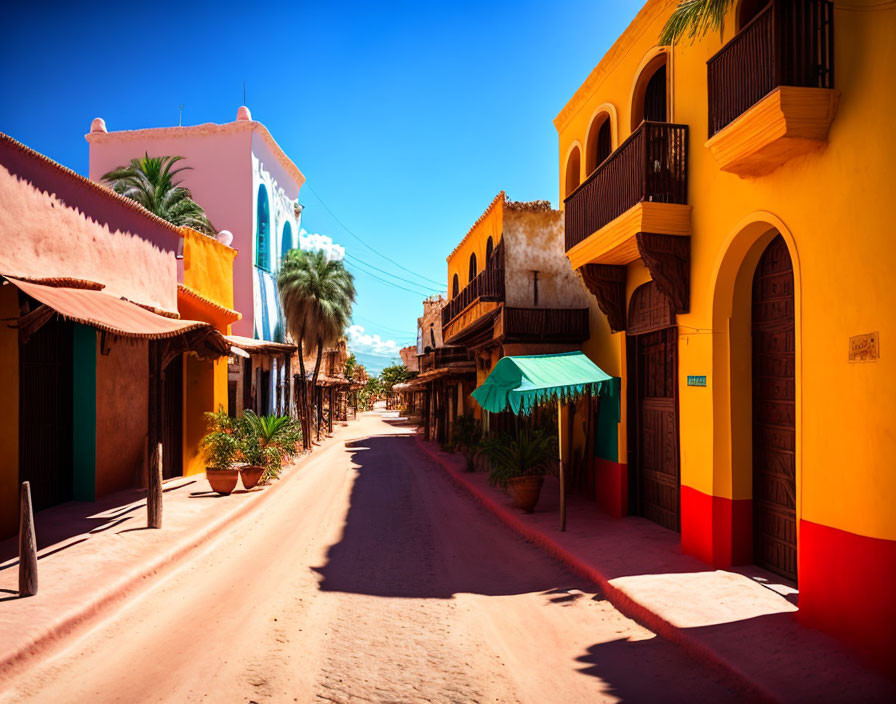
(650, 99)
(455, 287)
(473, 269)
(774, 411)
(489, 248)
(263, 231)
(654, 458)
(573, 172)
(286, 241)
(599, 144)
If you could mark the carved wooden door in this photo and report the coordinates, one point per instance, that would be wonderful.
(774, 413)
(658, 466)
(653, 416)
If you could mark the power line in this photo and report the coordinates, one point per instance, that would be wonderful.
(342, 224)
(413, 283)
(383, 327)
(393, 285)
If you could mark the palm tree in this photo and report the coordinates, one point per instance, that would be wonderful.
(150, 180)
(694, 18)
(317, 296)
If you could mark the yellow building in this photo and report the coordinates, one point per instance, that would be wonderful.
(206, 294)
(725, 201)
(512, 292)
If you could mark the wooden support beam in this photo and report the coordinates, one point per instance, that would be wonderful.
(154, 490)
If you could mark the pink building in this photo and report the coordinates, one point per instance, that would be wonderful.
(247, 186)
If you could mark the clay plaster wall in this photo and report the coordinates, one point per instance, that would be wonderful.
(533, 241)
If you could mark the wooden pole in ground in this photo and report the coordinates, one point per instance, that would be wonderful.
(27, 544)
(154, 490)
(562, 474)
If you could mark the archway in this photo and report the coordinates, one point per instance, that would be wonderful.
(599, 145)
(573, 172)
(473, 270)
(286, 241)
(455, 287)
(652, 354)
(750, 426)
(650, 97)
(263, 230)
(489, 248)
(774, 411)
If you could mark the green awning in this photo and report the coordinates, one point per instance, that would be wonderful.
(520, 383)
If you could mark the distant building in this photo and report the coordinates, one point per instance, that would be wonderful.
(249, 188)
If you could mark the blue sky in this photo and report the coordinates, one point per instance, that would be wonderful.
(407, 118)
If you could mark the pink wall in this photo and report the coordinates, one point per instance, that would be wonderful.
(220, 181)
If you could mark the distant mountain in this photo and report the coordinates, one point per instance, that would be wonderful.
(375, 363)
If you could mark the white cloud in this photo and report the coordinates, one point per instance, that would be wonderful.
(360, 341)
(312, 241)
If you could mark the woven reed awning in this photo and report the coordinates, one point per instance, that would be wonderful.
(253, 346)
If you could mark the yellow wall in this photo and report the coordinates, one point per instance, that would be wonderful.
(9, 412)
(489, 224)
(831, 207)
(208, 270)
(208, 267)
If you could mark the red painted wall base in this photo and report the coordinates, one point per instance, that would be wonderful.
(715, 529)
(847, 584)
(611, 487)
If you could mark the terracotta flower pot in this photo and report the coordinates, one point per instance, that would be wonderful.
(222, 481)
(524, 491)
(250, 475)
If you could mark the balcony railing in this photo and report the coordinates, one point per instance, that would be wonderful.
(442, 356)
(488, 285)
(789, 43)
(546, 324)
(651, 165)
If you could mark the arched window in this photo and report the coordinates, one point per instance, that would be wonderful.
(472, 266)
(650, 98)
(455, 287)
(432, 335)
(748, 10)
(598, 146)
(489, 248)
(286, 243)
(573, 171)
(263, 231)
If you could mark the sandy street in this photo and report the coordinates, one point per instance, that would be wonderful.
(369, 578)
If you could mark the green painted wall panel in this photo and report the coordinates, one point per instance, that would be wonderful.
(84, 410)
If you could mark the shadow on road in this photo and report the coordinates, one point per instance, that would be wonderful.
(410, 533)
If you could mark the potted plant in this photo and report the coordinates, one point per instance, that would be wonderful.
(221, 446)
(519, 465)
(264, 442)
(468, 436)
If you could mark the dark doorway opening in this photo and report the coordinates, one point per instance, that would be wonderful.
(173, 419)
(46, 412)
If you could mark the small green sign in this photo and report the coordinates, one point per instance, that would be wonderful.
(696, 381)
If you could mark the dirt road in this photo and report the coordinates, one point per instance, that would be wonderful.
(369, 578)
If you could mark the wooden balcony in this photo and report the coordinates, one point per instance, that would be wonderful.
(543, 325)
(483, 294)
(641, 187)
(443, 357)
(771, 88)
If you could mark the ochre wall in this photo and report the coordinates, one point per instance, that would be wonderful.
(831, 208)
(9, 412)
(490, 224)
(122, 391)
(208, 267)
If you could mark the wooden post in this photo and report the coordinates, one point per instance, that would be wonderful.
(154, 490)
(562, 474)
(27, 544)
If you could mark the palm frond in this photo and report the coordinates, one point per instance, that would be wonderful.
(693, 19)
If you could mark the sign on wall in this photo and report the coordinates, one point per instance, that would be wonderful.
(696, 380)
(864, 348)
